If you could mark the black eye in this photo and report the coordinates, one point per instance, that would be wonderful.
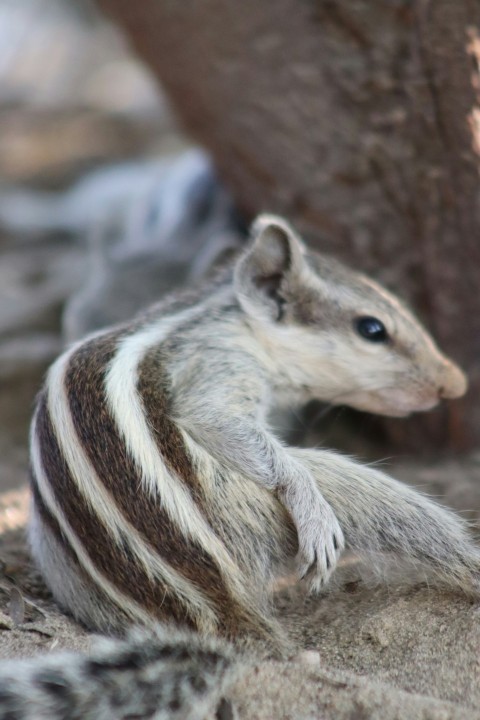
(371, 329)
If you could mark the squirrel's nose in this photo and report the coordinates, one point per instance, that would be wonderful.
(453, 382)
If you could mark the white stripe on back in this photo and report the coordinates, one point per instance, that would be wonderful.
(126, 408)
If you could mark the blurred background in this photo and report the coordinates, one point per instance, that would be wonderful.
(137, 141)
(104, 203)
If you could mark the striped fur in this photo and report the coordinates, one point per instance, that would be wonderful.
(161, 492)
(152, 539)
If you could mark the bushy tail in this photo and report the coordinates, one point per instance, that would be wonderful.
(157, 673)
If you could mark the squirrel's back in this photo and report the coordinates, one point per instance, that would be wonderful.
(132, 520)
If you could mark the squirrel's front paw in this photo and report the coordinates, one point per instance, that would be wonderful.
(321, 543)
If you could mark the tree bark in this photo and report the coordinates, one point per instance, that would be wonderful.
(359, 120)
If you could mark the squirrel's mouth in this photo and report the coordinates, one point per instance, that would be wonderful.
(388, 402)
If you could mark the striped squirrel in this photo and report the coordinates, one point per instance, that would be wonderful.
(160, 492)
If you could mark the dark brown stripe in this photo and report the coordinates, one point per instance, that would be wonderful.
(51, 522)
(117, 617)
(85, 382)
(111, 561)
(152, 387)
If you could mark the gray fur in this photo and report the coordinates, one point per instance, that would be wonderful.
(181, 397)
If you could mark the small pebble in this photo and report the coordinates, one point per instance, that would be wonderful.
(308, 657)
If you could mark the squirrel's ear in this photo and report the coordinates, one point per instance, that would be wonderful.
(273, 261)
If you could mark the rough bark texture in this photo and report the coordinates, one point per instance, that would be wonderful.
(359, 120)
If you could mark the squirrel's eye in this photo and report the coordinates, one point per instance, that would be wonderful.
(371, 329)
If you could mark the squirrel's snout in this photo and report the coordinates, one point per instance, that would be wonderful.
(453, 382)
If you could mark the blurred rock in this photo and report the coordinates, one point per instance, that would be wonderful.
(72, 94)
(166, 226)
(51, 148)
(34, 284)
(150, 227)
(91, 65)
(95, 254)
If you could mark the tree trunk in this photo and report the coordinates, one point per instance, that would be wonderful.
(358, 119)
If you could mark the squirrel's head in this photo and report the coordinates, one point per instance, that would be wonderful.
(334, 334)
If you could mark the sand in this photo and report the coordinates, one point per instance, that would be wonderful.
(402, 651)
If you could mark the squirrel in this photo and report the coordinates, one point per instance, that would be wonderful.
(161, 495)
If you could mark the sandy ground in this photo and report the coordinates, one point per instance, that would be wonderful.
(393, 650)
